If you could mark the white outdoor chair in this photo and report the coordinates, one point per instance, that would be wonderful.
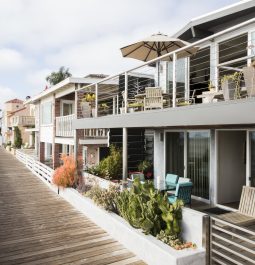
(153, 98)
(249, 79)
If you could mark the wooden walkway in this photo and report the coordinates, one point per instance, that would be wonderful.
(39, 227)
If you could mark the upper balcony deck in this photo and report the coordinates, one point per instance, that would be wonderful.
(25, 121)
(207, 88)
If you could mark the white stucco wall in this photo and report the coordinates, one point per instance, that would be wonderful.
(159, 158)
(46, 131)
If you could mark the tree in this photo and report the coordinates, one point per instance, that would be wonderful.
(18, 139)
(56, 77)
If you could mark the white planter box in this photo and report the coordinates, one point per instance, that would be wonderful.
(103, 183)
(146, 247)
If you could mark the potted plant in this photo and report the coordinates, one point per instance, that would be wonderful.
(231, 86)
(104, 108)
(88, 105)
(211, 86)
(136, 106)
(146, 168)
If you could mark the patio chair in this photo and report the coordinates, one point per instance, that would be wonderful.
(183, 192)
(171, 181)
(153, 98)
(246, 210)
(183, 180)
(185, 102)
(249, 79)
(133, 176)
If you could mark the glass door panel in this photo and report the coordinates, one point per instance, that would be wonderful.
(175, 153)
(252, 151)
(198, 162)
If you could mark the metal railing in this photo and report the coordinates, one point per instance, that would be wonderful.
(35, 166)
(96, 133)
(204, 77)
(231, 244)
(64, 126)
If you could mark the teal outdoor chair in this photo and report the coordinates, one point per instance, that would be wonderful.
(183, 192)
(171, 181)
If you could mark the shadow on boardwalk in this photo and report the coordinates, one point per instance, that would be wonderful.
(39, 227)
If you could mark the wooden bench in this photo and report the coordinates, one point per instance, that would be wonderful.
(246, 210)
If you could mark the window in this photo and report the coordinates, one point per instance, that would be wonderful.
(46, 116)
(67, 107)
(181, 73)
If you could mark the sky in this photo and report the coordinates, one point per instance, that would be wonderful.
(39, 36)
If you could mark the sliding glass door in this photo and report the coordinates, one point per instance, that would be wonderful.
(175, 153)
(198, 159)
(252, 157)
(191, 151)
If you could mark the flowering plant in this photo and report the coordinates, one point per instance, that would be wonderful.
(65, 175)
(89, 97)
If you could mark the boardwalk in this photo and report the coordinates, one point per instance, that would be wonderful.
(38, 227)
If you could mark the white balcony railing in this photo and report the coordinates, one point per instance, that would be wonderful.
(64, 126)
(22, 121)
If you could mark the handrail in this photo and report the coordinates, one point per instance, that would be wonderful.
(35, 166)
(231, 242)
(250, 21)
(64, 125)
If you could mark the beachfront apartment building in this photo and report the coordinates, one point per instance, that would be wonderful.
(204, 125)
(16, 114)
(201, 128)
(55, 109)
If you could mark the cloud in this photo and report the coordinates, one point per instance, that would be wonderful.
(36, 79)
(6, 94)
(40, 36)
(11, 59)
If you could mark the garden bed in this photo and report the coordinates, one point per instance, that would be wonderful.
(146, 247)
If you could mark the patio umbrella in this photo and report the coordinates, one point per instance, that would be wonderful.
(157, 45)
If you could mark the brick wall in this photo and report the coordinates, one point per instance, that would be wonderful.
(56, 151)
(57, 107)
(80, 96)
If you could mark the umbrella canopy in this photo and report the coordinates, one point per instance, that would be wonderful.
(155, 46)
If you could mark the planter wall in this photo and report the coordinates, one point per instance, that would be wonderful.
(146, 247)
(103, 183)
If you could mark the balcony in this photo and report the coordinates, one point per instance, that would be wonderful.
(64, 126)
(95, 136)
(25, 121)
(219, 77)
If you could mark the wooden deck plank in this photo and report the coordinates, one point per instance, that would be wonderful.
(38, 227)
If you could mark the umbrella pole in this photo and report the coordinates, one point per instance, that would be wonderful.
(158, 65)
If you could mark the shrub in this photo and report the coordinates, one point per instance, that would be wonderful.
(110, 167)
(65, 175)
(105, 198)
(144, 166)
(174, 241)
(18, 139)
(146, 208)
